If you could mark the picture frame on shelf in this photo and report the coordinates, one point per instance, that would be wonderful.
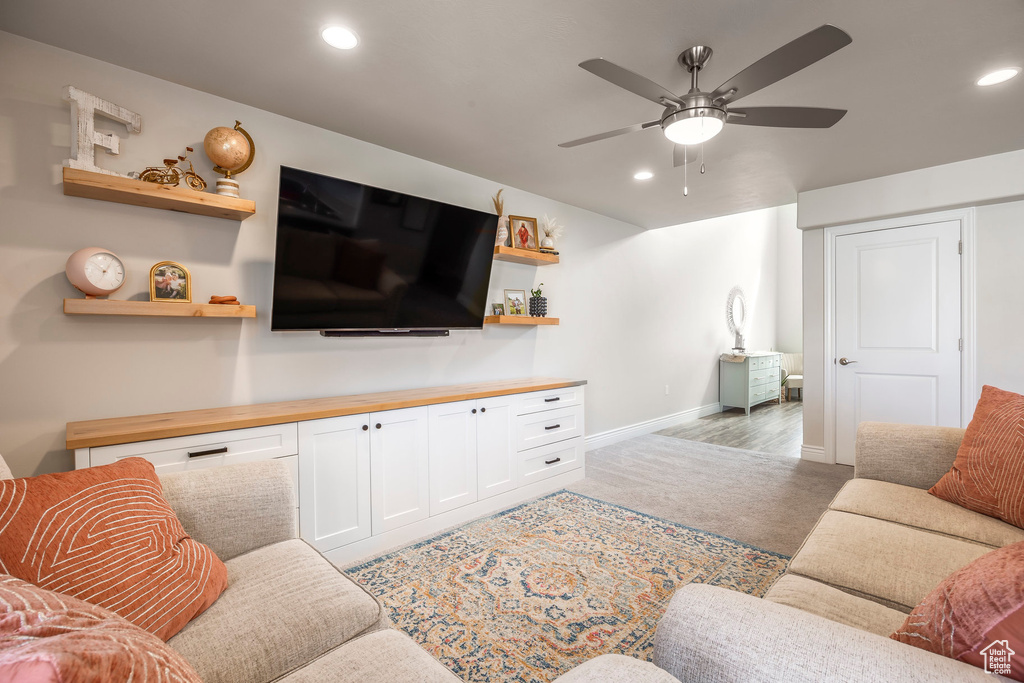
(170, 282)
(515, 301)
(497, 309)
(523, 231)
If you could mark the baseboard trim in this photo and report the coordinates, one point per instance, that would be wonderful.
(648, 426)
(814, 454)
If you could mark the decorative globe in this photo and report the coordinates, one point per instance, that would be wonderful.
(226, 147)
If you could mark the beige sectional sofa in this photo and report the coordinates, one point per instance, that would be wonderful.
(288, 614)
(880, 548)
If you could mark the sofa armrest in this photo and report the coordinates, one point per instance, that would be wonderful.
(715, 635)
(910, 455)
(235, 508)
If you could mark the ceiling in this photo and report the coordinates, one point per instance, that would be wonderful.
(491, 87)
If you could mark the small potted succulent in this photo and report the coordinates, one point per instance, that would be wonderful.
(538, 303)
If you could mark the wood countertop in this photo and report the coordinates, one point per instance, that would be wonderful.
(119, 430)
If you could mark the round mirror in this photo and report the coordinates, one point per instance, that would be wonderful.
(736, 310)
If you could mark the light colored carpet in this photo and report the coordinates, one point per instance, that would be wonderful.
(529, 593)
(769, 501)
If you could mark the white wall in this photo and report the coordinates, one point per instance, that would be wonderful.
(789, 301)
(994, 184)
(639, 309)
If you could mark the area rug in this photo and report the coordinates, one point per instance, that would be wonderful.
(527, 594)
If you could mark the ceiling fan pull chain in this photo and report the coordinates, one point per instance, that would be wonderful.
(702, 158)
(685, 191)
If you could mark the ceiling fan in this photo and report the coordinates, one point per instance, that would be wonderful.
(698, 116)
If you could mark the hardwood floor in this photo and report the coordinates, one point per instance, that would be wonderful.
(771, 428)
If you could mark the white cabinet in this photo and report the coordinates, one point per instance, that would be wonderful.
(495, 446)
(399, 479)
(334, 485)
(453, 455)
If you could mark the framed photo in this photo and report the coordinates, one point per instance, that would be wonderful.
(497, 309)
(523, 231)
(170, 281)
(515, 301)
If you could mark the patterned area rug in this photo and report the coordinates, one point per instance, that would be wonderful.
(530, 592)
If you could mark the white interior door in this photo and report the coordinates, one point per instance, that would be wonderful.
(897, 329)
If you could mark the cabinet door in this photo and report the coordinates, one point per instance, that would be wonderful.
(398, 468)
(452, 443)
(334, 481)
(495, 445)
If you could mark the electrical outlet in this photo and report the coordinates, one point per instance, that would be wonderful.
(666, 390)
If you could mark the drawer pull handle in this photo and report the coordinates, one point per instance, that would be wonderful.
(552, 462)
(365, 427)
(483, 410)
(552, 400)
(553, 427)
(212, 451)
(378, 425)
(473, 411)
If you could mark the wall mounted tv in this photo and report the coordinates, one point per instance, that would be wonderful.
(356, 260)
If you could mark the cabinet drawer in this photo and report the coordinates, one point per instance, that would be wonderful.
(758, 377)
(550, 460)
(548, 400)
(758, 394)
(772, 374)
(194, 452)
(771, 391)
(550, 426)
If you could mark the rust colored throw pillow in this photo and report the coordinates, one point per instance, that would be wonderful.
(975, 615)
(106, 535)
(48, 637)
(988, 473)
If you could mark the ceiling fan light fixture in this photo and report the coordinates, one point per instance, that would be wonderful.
(998, 76)
(692, 127)
(643, 175)
(340, 37)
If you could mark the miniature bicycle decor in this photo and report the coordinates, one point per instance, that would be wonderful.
(171, 174)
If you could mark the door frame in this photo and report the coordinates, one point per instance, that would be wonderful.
(968, 331)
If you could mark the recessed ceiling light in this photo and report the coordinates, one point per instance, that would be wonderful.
(643, 175)
(998, 76)
(340, 37)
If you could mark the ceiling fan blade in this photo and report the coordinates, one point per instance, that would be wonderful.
(633, 82)
(683, 154)
(610, 134)
(786, 117)
(786, 61)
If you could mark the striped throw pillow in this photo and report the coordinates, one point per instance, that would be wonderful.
(988, 473)
(106, 535)
(48, 637)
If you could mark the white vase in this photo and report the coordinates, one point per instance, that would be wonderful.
(547, 243)
(502, 236)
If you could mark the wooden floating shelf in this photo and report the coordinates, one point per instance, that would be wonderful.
(157, 309)
(525, 256)
(112, 188)
(518, 320)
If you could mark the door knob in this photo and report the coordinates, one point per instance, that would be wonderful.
(378, 425)
(844, 361)
(473, 411)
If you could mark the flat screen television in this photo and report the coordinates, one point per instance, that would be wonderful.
(353, 259)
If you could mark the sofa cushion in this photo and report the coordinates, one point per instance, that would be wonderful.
(616, 669)
(387, 655)
(833, 604)
(106, 535)
(49, 637)
(889, 563)
(976, 608)
(917, 508)
(988, 472)
(284, 605)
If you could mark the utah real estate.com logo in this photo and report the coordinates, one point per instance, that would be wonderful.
(997, 657)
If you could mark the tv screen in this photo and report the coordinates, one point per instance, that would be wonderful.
(352, 257)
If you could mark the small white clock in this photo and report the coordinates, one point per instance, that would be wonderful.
(95, 272)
